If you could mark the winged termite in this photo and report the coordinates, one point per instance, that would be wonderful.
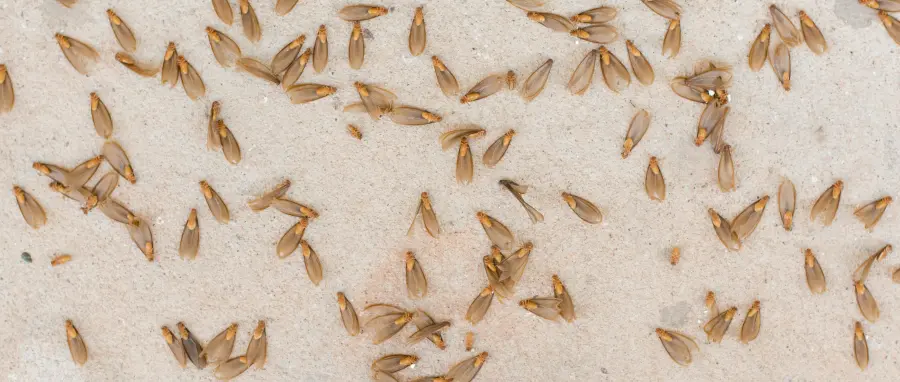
(674, 256)
(426, 327)
(139, 230)
(598, 15)
(466, 370)
(891, 25)
(470, 341)
(860, 347)
(639, 125)
(497, 150)
(726, 178)
(654, 183)
(450, 138)
(311, 262)
(118, 160)
(566, 307)
(759, 50)
(428, 331)
(862, 272)
(320, 49)
(480, 305)
(781, 65)
(583, 75)
(267, 198)
(712, 79)
(225, 50)
(582, 207)
(82, 56)
(389, 328)
(81, 174)
(724, 231)
(412, 116)
(492, 272)
(787, 201)
(544, 307)
(517, 191)
(429, 218)
(31, 210)
(553, 21)
(354, 131)
(536, 82)
(190, 237)
(812, 35)
(786, 29)
(115, 211)
(882, 5)
(639, 64)
(445, 79)
(190, 79)
(216, 205)
(513, 266)
(249, 22)
(393, 363)
(614, 73)
(717, 327)
(283, 7)
(827, 204)
(175, 346)
(709, 118)
(815, 278)
(219, 349)
(866, 302)
(257, 349)
(105, 186)
(348, 314)
(223, 10)
(129, 62)
(304, 93)
(295, 70)
(192, 348)
(7, 94)
(526, 5)
(745, 223)
(750, 328)
(291, 239)
(871, 213)
(672, 40)
(684, 91)
(417, 33)
(257, 69)
(232, 368)
(495, 231)
(77, 348)
(677, 345)
(485, 88)
(360, 12)
(60, 260)
(54, 172)
(170, 71)
(464, 166)
(213, 140)
(665, 8)
(357, 46)
(600, 33)
(287, 55)
(123, 33)
(711, 307)
(292, 208)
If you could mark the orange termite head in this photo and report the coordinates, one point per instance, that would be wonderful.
(322, 33)
(535, 16)
(419, 18)
(380, 11)
(260, 329)
(437, 63)
(62, 40)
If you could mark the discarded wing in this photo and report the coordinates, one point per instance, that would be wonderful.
(7, 94)
(426, 328)
(677, 345)
(123, 33)
(219, 349)
(361, 12)
(249, 22)
(815, 278)
(283, 7)
(216, 205)
(871, 213)
(717, 135)
(536, 82)
(311, 262)
(860, 347)
(543, 307)
(129, 62)
(190, 79)
(665, 8)
(672, 40)
(781, 65)
(485, 88)
(445, 79)
(566, 306)
(291, 239)
(283, 59)
(492, 272)
(724, 231)
(713, 79)
(320, 50)
(232, 368)
(786, 29)
(269, 197)
(175, 346)
(827, 204)
(866, 302)
(480, 305)
(348, 314)
(118, 160)
(750, 328)
(717, 327)
(614, 73)
(223, 47)
(600, 33)
(639, 64)
(428, 331)
(417, 33)
(464, 165)
(680, 88)
(496, 231)
(787, 203)
(257, 69)
(190, 237)
(412, 116)
(812, 35)
(497, 150)
(640, 123)
(77, 348)
(450, 138)
(727, 181)
(82, 56)
(585, 210)
(223, 10)
(654, 183)
(30, 208)
(583, 75)
(745, 223)
(304, 93)
(759, 50)
(466, 370)
(553, 21)
(517, 190)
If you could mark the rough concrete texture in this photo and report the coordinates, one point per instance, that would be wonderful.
(838, 122)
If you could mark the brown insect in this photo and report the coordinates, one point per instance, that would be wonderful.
(311, 262)
(445, 79)
(812, 35)
(860, 347)
(750, 328)
(583, 75)
(464, 165)
(759, 49)
(815, 278)
(140, 233)
(60, 260)
(827, 204)
(426, 327)
(526, 5)
(292, 208)
(129, 62)
(711, 307)
(286, 56)
(295, 69)
(595, 16)
(31, 210)
(7, 94)
(485, 88)
(470, 341)
(190, 79)
(104, 187)
(535, 83)
(257, 349)
(304, 93)
(513, 266)
(249, 22)
(665, 8)
(80, 55)
(544, 307)
(116, 157)
(614, 73)
(639, 64)
(291, 239)
(215, 203)
(175, 346)
(654, 183)
(583, 208)
(724, 231)
(552, 21)
(745, 223)
(787, 203)
(320, 49)
(429, 217)
(495, 231)
(467, 369)
(717, 327)
(219, 349)
(862, 272)
(517, 191)
(417, 33)
(882, 5)
(672, 40)
(223, 10)
(566, 306)
(225, 50)
(639, 125)
(348, 314)
(232, 368)
(393, 363)
(450, 138)
(870, 214)
(192, 348)
(781, 65)
(416, 283)
(866, 302)
(480, 305)
(497, 150)
(411, 116)
(283, 7)
(677, 345)
(257, 69)
(891, 25)
(77, 348)
(786, 29)
(376, 100)
(598, 33)
(357, 46)
(170, 72)
(123, 33)
(190, 237)
(361, 12)
(267, 198)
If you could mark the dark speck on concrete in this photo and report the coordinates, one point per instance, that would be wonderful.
(26, 257)
(367, 34)
(603, 370)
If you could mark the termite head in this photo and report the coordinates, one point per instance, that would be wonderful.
(535, 16)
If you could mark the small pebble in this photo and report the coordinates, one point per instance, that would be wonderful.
(26, 257)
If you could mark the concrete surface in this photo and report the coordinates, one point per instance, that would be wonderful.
(838, 122)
